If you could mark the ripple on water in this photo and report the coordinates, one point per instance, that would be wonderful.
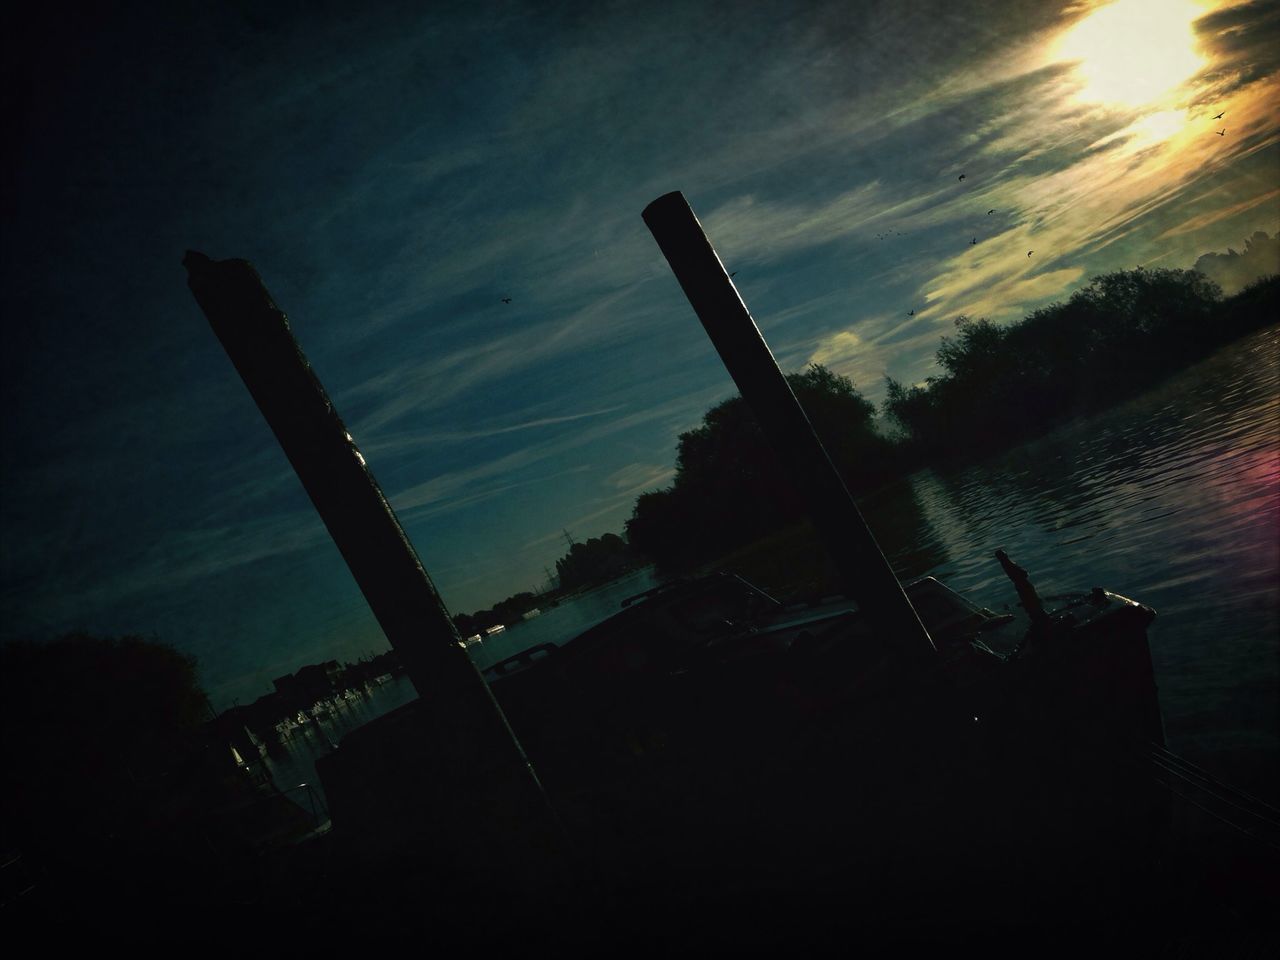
(1173, 498)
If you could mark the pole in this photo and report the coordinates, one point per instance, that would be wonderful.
(470, 743)
(746, 355)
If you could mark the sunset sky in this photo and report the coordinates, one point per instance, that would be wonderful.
(395, 172)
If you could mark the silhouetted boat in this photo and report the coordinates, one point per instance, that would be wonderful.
(707, 746)
(707, 764)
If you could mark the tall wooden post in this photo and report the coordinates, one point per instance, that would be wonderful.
(870, 579)
(473, 754)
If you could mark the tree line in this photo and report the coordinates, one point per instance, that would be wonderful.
(120, 788)
(593, 561)
(998, 385)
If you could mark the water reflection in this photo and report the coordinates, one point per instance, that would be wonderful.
(291, 760)
(1173, 498)
(562, 622)
(912, 543)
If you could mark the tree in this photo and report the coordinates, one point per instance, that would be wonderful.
(1119, 333)
(597, 560)
(112, 777)
(730, 487)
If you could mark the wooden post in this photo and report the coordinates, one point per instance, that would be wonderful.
(870, 579)
(471, 748)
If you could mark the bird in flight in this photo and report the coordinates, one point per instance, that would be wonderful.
(1221, 115)
(1222, 132)
(506, 299)
(1030, 252)
(734, 274)
(962, 176)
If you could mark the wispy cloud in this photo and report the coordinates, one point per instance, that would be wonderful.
(400, 443)
(639, 476)
(1210, 217)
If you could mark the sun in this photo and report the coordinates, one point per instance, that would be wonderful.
(1132, 53)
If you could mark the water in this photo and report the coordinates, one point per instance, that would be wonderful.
(293, 761)
(1172, 499)
(564, 621)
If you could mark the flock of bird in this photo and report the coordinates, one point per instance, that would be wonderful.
(974, 241)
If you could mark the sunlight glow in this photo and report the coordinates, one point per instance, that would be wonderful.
(1148, 130)
(1131, 53)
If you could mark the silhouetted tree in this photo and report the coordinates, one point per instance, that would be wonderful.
(730, 487)
(1117, 335)
(597, 560)
(997, 385)
(114, 783)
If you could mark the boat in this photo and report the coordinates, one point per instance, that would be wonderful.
(709, 766)
(285, 727)
(709, 746)
(497, 628)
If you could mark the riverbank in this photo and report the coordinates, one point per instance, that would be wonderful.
(1172, 497)
(999, 386)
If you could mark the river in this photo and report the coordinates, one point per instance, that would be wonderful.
(293, 761)
(1172, 498)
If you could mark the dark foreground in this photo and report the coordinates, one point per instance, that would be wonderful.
(760, 778)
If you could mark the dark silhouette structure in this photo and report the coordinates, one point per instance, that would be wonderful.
(1125, 330)
(730, 489)
(459, 733)
(747, 357)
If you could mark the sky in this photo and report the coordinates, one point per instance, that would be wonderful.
(395, 172)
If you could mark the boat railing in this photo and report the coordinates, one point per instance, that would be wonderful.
(521, 660)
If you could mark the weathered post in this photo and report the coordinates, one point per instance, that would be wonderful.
(870, 579)
(477, 768)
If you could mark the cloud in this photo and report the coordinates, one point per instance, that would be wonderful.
(1233, 271)
(838, 348)
(639, 475)
(1243, 40)
(401, 443)
(417, 385)
(1210, 217)
(760, 229)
